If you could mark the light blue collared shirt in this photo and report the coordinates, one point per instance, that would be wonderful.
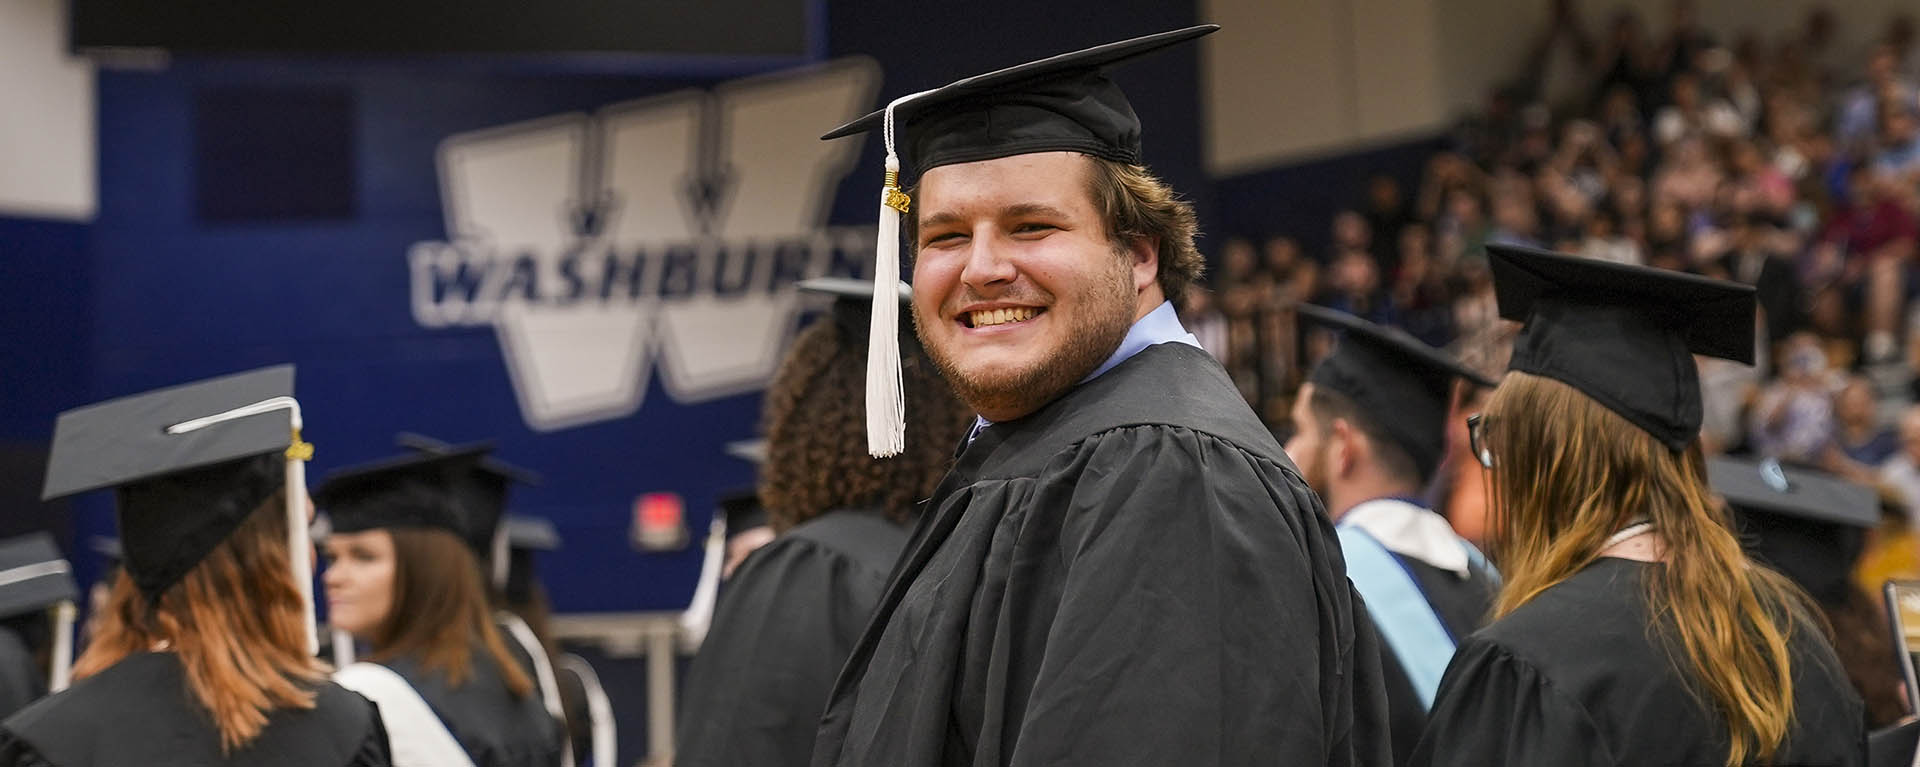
(1160, 326)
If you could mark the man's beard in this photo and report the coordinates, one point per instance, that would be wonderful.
(1089, 341)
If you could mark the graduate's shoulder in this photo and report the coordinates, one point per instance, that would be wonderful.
(1162, 392)
(126, 688)
(1582, 632)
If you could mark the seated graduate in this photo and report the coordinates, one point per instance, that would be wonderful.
(204, 652)
(481, 491)
(790, 615)
(1811, 526)
(1631, 629)
(402, 579)
(1369, 434)
(37, 593)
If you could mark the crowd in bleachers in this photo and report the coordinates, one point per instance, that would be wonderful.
(1785, 163)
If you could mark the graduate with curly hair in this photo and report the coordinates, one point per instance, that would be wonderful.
(794, 609)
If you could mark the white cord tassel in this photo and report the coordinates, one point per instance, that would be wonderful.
(342, 648)
(62, 672)
(299, 543)
(886, 396)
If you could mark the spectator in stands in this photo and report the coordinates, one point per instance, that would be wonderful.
(1604, 240)
(1871, 242)
(1793, 418)
(1860, 443)
(1295, 276)
(1859, 109)
(1899, 156)
(1200, 314)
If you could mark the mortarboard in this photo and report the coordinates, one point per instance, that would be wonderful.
(482, 493)
(1404, 382)
(188, 464)
(1809, 525)
(853, 304)
(33, 575)
(752, 451)
(1062, 103)
(417, 490)
(1623, 335)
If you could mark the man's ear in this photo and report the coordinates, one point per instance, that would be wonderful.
(1342, 447)
(1145, 252)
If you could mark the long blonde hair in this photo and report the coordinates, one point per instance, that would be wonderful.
(1569, 473)
(236, 623)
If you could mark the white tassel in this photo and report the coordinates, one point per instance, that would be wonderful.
(62, 672)
(299, 542)
(886, 396)
(342, 648)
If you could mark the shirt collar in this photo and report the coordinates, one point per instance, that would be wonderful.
(1410, 530)
(1160, 326)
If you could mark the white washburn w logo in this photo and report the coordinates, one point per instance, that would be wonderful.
(669, 229)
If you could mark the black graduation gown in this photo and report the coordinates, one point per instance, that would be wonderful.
(1577, 677)
(139, 712)
(1133, 574)
(495, 728)
(1461, 604)
(783, 628)
(20, 680)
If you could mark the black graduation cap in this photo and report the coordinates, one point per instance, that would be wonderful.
(1809, 525)
(188, 463)
(1400, 379)
(1623, 335)
(1062, 103)
(852, 304)
(526, 536)
(753, 451)
(33, 575)
(482, 493)
(417, 490)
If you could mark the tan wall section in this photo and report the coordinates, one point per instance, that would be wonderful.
(1287, 80)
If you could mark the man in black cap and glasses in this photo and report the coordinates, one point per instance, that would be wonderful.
(1123, 567)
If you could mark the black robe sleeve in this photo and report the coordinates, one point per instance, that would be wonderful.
(15, 752)
(783, 628)
(20, 680)
(1495, 709)
(1204, 618)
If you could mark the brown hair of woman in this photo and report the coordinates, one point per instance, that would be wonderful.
(1569, 473)
(235, 621)
(439, 607)
(816, 424)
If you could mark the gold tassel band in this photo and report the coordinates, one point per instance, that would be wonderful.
(895, 198)
(299, 450)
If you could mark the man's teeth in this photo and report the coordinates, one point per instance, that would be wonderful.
(988, 317)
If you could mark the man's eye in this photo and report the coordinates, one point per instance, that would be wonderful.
(1034, 227)
(946, 238)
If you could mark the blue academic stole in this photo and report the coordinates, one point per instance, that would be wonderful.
(1400, 610)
